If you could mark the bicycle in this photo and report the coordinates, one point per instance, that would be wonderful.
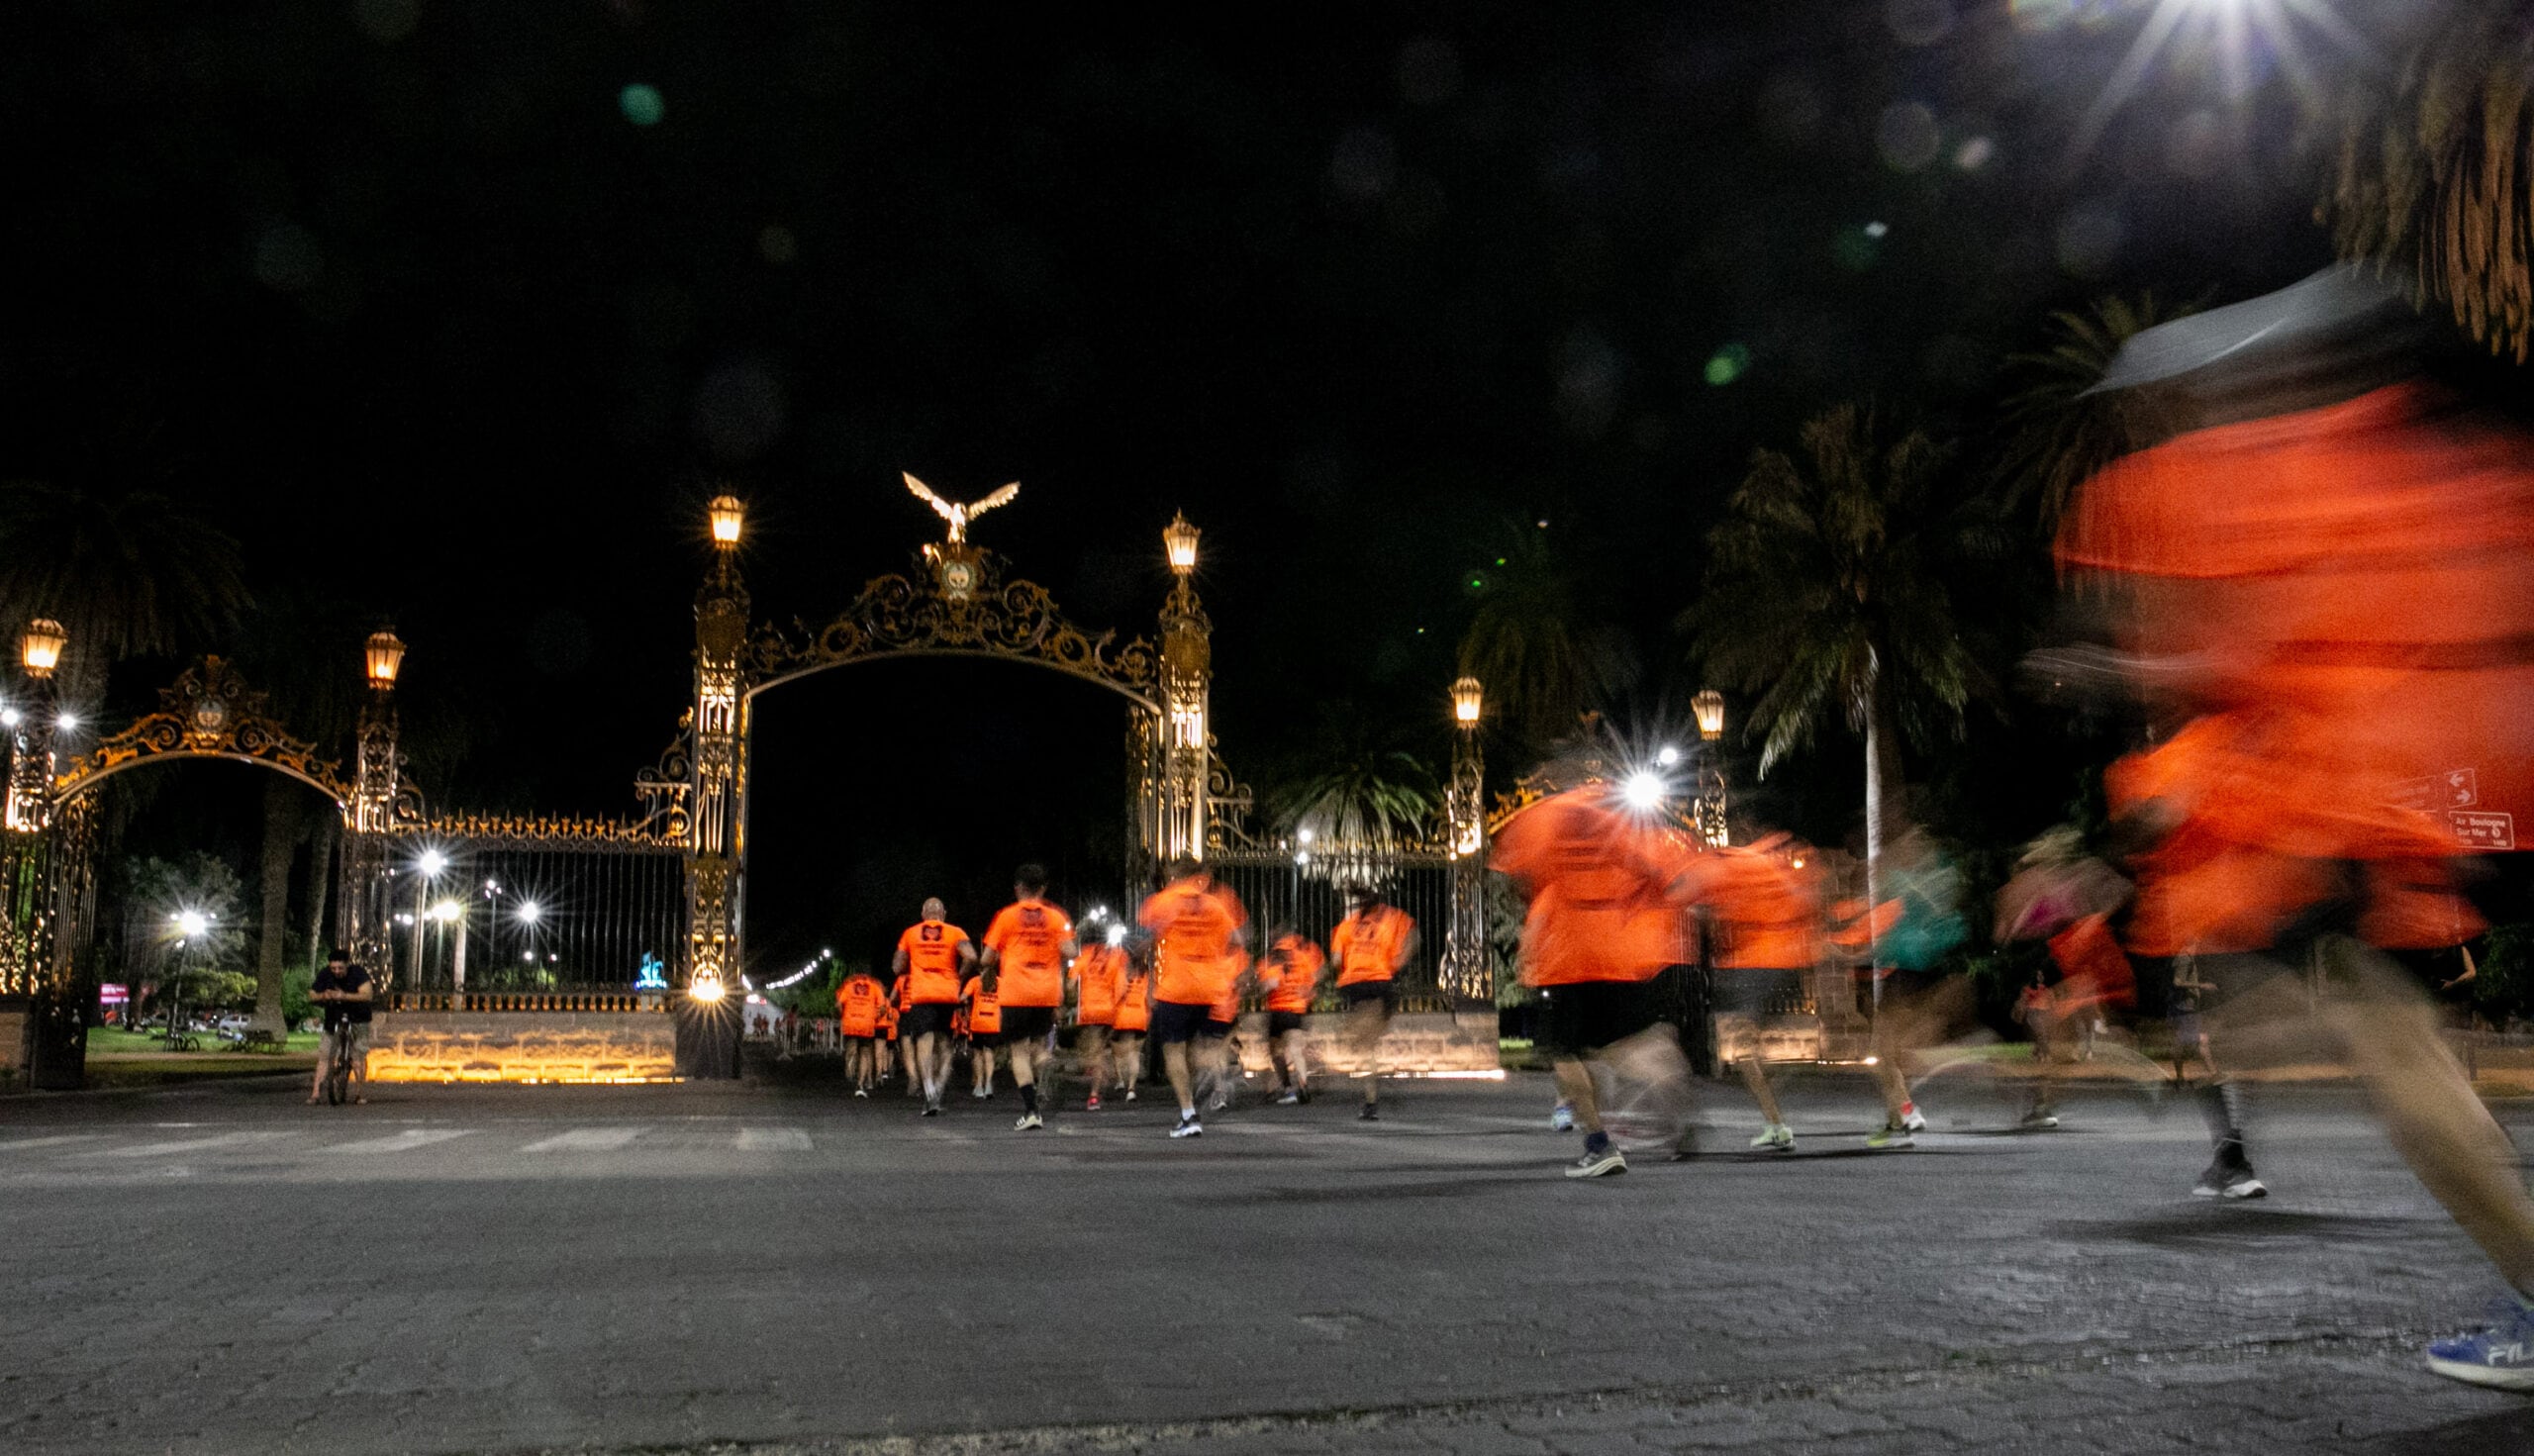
(338, 1067)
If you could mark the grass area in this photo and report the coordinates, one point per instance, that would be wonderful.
(116, 1042)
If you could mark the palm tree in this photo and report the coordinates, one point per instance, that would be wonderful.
(1356, 786)
(1531, 644)
(2056, 434)
(2437, 173)
(129, 573)
(1827, 591)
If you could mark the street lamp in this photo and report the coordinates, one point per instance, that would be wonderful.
(1178, 539)
(385, 655)
(727, 515)
(1709, 705)
(1469, 699)
(40, 650)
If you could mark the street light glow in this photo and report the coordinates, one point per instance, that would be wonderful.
(1667, 755)
(68, 720)
(1643, 788)
(530, 910)
(445, 910)
(433, 862)
(191, 922)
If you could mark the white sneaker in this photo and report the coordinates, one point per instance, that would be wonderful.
(1189, 1126)
(1911, 1118)
(1028, 1120)
(1777, 1137)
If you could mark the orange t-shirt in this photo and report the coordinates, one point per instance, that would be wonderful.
(1369, 944)
(1226, 1002)
(1134, 1004)
(1194, 924)
(1100, 974)
(1028, 939)
(1767, 913)
(1599, 879)
(985, 1008)
(857, 1005)
(1292, 970)
(932, 961)
(888, 1021)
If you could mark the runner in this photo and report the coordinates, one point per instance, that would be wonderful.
(1198, 934)
(1598, 929)
(1026, 948)
(896, 1058)
(1370, 945)
(1762, 911)
(858, 1005)
(1291, 974)
(1100, 978)
(1134, 1015)
(932, 954)
(982, 1016)
(1212, 1050)
(2333, 581)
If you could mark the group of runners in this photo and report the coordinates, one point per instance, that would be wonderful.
(1178, 976)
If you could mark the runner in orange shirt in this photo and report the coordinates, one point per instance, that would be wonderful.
(1291, 974)
(901, 1057)
(858, 1004)
(1601, 927)
(1763, 914)
(1370, 945)
(1026, 948)
(1198, 930)
(1134, 1015)
(931, 955)
(984, 1016)
(1100, 978)
(1213, 1063)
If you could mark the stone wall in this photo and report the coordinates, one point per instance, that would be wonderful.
(523, 1046)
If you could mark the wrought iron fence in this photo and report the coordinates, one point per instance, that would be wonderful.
(513, 917)
(1306, 890)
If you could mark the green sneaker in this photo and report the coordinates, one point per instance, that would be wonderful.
(1890, 1135)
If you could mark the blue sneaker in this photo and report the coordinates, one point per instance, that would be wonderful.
(2501, 1355)
(1561, 1119)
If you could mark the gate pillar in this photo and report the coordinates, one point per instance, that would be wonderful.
(717, 846)
(1468, 972)
(361, 915)
(36, 977)
(1184, 754)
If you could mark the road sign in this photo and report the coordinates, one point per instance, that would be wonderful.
(2463, 788)
(2457, 788)
(2481, 829)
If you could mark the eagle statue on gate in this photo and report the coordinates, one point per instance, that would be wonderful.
(959, 515)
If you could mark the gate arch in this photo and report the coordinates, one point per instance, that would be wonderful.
(957, 602)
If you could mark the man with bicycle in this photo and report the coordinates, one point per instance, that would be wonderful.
(343, 990)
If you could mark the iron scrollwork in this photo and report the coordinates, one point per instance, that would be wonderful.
(208, 712)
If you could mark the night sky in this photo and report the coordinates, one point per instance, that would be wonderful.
(458, 313)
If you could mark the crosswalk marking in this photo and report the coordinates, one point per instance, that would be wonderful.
(773, 1140)
(584, 1141)
(404, 1141)
(27, 1142)
(190, 1145)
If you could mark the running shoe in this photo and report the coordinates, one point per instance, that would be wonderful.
(861, 1091)
(932, 1110)
(981, 1093)
(1561, 1119)
(1189, 1126)
(1288, 1097)
(1597, 1164)
(2500, 1355)
(1777, 1137)
(2039, 1119)
(1911, 1118)
(1219, 1102)
(1370, 1114)
(1028, 1122)
(2229, 1180)
(1093, 1105)
(1131, 1093)
(1891, 1135)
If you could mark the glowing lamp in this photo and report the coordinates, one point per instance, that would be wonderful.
(1667, 755)
(1643, 788)
(1709, 705)
(40, 648)
(530, 910)
(433, 862)
(445, 910)
(1178, 539)
(383, 654)
(1469, 696)
(191, 922)
(706, 987)
(728, 517)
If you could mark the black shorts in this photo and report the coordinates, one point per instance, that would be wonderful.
(1385, 992)
(985, 1040)
(1279, 1023)
(1587, 1015)
(926, 1018)
(1027, 1023)
(1742, 991)
(1176, 1021)
(1214, 1030)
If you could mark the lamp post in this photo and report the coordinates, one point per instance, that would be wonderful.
(364, 913)
(29, 806)
(707, 1040)
(1466, 971)
(1709, 705)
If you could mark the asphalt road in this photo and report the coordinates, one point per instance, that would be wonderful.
(683, 1268)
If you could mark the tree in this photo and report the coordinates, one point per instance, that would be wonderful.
(159, 942)
(2436, 174)
(128, 573)
(1355, 784)
(1827, 592)
(1537, 645)
(2056, 434)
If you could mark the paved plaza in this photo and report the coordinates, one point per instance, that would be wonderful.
(671, 1269)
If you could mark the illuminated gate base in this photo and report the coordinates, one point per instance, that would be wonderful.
(523, 1046)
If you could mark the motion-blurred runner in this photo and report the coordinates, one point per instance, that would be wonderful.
(1370, 945)
(1026, 948)
(1100, 979)
(1198, 934)
(1291, 974)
